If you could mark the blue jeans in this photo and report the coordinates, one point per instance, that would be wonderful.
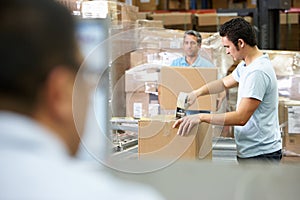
(274, 157)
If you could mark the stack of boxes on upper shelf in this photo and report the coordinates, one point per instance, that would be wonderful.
(139, 13)
(287, 69)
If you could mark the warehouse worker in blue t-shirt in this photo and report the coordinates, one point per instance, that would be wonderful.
(256, 132)
(191, 45)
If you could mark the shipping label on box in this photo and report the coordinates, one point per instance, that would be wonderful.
(157, 139)
(137, 104)
(289, 113)
(140, 105)
(294, 119)
(295, 88)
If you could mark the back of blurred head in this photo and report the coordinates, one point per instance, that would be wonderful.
(37, 50)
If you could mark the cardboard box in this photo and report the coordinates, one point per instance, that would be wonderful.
(295, 87)
(137, 104)
(291, 18)
(178, 5)
(296, 4)
(292, 142)
(173, 18)
(146, 5)
(143, 78)
(149, 23)
(214, 19)
(289, 112)
(219, 4)
(282, 61)
(157, 139)
(116, 11)
(222, 19)
(251, 3)
(292, 145)
(142, 15)
(128, 12)
(173, 80)
(143, 56)
(158, 38)
(208, 19)
(140, 105)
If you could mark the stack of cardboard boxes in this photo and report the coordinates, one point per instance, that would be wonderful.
(157, 138)
(289, 115)
(152, 88)
(141, 91)
(287, 68)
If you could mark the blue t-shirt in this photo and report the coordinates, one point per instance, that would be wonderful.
(260, 135)
(200, 62)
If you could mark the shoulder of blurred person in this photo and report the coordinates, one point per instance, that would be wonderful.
(38, 136)
(36, 165)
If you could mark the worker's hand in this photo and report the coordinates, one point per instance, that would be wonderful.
(191, 98)
(186, 124)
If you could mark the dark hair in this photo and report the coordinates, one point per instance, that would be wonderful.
(238, 28)
(194, 33)
(35, 36)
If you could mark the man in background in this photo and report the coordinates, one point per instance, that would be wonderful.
(38, 136)
(192, 41)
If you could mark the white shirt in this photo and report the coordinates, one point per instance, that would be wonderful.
(34, 164)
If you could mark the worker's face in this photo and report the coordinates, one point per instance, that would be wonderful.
(231, 49)
(190, 46)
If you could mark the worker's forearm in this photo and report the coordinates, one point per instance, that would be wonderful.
(223, 119)
(213, 87)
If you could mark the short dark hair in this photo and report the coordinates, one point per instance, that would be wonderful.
(35, 36)
(194, 33)
(238, 28)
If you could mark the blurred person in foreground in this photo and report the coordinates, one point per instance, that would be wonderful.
(192, 41)
(38, 137)
(256, 123)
